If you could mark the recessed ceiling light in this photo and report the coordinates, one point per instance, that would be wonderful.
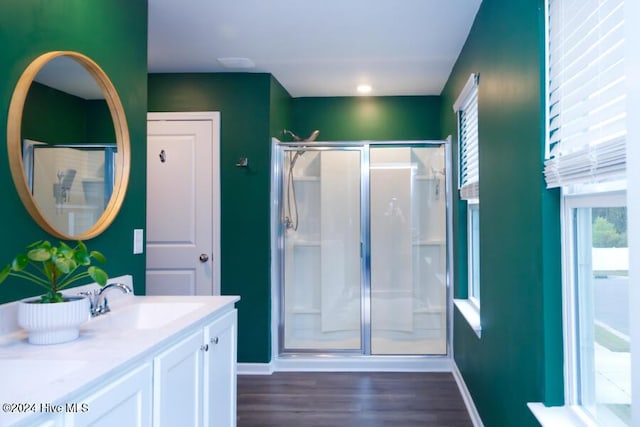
(364, 88)
(230, 62)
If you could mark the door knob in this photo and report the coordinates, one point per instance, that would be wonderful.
(204, 257)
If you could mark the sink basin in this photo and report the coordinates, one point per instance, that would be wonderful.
(144, 315)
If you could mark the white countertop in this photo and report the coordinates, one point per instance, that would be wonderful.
(58, 374)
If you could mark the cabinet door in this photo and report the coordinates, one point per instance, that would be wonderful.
(177, 385)
(123, 402)
(220, 372)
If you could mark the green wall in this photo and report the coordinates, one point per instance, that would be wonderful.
(57, 117)
(368, 118)
(280, 109)
(53, 116)
(100, 126)
(114, 34)
(254, 107)
(244, 102)
(519, 357)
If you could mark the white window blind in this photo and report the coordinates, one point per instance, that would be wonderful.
(466, 106)
(586, 92)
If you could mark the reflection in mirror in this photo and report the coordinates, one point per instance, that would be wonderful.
(66, 110)
(71, 184)
(68, 145)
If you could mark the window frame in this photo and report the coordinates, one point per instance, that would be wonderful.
(473, 256)
(570, 414)
(570, 301)
(468, 192)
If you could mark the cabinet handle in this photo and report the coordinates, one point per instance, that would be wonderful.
(214, 340)
(204, 347)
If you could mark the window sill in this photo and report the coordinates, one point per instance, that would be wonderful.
(471, 313)
(560, 416)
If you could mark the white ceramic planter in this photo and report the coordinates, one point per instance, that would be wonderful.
(53, 323)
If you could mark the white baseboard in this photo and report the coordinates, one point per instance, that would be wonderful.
(466, 396)
(347, 364)
(255, 368)
(362, 364)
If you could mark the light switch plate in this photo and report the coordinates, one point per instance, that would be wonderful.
(138, 240)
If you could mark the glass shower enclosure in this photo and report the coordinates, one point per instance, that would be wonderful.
(362, 251)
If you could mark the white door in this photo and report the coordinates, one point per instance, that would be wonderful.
(183, 197)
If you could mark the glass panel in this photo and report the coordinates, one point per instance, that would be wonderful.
(408, 229)
(474, 252)
(321, 213)
(602, 291)
(71, 186)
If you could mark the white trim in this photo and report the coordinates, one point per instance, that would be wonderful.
(471, 313)
(333, 363)
(632, 58)
(559, 416)
(466, 396)
(357, 363)
(472, 257)
(214, 118)
(569, 306)
(568, 203)
(450, 274)
(255, 368)
(275, 268)
(469, 87)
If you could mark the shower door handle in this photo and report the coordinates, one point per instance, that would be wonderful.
(204, 258)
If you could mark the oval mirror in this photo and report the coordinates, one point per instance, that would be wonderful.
(68, 145)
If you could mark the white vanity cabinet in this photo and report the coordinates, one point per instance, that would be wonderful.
(152, 361)
(220, 372)
(195, 379)
(126, 401)
(177, 383)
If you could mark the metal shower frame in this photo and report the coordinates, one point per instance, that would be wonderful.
(279, 149)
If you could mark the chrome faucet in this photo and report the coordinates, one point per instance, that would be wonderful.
(98, 301)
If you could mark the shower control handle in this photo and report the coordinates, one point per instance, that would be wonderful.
(204, 258)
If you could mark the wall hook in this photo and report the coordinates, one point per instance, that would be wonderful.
(163, 156)
(243, 162)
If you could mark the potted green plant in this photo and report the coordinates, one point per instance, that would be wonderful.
(52, 317)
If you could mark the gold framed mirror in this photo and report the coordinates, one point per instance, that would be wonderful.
(58, 187)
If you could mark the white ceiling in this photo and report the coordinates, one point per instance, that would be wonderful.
(65, 74)
(316, 48)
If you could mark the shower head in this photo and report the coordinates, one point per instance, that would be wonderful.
(296, 138)
(291, 134)
(313, 136)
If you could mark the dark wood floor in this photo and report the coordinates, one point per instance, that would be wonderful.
(350, 399)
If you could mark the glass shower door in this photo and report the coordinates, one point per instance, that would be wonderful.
(322, 249)
(408, 250)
